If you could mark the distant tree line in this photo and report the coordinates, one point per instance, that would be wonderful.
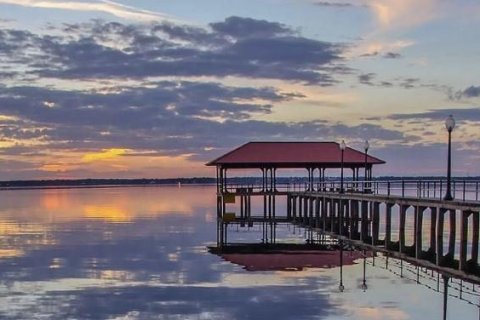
(176, 181)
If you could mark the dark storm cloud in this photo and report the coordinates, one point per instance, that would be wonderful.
(242, 47)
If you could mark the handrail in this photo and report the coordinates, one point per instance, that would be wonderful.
(462, 189)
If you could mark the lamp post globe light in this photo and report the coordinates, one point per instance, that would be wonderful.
(366, 147)
(343, 146)
(449, 125)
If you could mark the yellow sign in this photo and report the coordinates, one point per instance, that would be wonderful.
(229, 216)
(229, 198)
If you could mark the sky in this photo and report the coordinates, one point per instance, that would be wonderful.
(155, 89)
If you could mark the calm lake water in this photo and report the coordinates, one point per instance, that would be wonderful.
(140, 253)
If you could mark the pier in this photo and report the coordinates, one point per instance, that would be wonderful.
(403, 218)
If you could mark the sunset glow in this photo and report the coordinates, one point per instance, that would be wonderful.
(154, 89)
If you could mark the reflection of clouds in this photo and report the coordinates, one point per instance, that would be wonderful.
(9, 253)
(157, 266)
(150, 302)
(108, 213)
(379, 313)
(109, 204)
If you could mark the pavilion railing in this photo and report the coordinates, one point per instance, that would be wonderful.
(461, 189)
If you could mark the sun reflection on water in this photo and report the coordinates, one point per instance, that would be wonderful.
(140, 252)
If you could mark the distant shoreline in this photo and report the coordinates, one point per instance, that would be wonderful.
(99, 183)
(109, 183)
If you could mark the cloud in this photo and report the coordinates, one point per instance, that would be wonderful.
(241, 28)
(106, 154)
(241, 47)
(334, 4)
(366, 78)
(110, 7)
(392, 55)
(395, 14)
(383, 48)
(470, 114)
(166, 119)
(470, 92)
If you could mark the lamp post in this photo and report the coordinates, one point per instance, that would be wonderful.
(450, 125)
(366, 146)
(343, 146)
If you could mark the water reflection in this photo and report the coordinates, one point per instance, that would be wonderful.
(140, 253)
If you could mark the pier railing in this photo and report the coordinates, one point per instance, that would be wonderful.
(461, 189)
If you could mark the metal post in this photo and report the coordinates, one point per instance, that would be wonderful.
(341, 174)
(448, 194)
(366, 178)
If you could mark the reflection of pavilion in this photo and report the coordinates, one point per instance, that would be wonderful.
(285, 257)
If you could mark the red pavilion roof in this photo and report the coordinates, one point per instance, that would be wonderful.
(292, 155)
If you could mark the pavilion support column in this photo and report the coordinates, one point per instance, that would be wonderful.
(289, 207)
(310, 180)
(294, 207)
(319, 184)
(263, 179)
(242, 207)
(311, 222)
(274, 182)
(354, 178)
(318, 201)
(305, 210)
(220, 179)
(324, 186)
(225, 180)
(217, 179)
(249, 209)
(265, 206)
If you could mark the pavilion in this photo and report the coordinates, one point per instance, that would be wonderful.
(315, 157)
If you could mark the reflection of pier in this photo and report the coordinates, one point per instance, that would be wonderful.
(366, 220)
(404, 219)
